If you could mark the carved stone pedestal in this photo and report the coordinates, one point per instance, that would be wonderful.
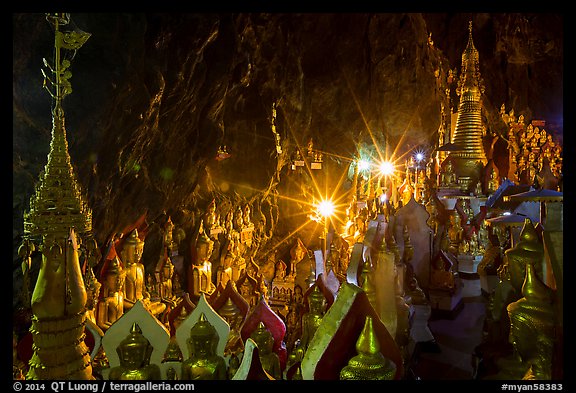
(468, 273)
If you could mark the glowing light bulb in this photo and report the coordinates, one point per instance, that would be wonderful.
(326, 208)
(386, 168)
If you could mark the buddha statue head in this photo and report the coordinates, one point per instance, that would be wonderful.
(229, 311)
(263, 339)
(132, 248)
(369, 363)
(113, 276)
(203, 339)
(168, 269)
(135, 350)
(316, 301)
(204, 247)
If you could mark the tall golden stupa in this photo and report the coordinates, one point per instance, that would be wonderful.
(57, 214)
(470, 160)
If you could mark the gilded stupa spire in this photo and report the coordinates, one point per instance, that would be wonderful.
(57, 213)
(57, 204)
(468, 131)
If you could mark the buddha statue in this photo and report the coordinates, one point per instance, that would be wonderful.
(204, 363)
(231, 313)
(369, 363)
(265, 342)
(455, 233)
(246, 217)
(210, 218)
(92, 293)
(135, 276)
(492, 258)
(111, 303)
(493, 181)
(441, 274)
(134, 285)
(311, 319)
(531, 332)
(448, 176)
(432, 210)
(134, 354)
(165, 284)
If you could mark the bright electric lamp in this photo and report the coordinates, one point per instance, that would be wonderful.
(386, 168)
(419, 157)
(326, 208)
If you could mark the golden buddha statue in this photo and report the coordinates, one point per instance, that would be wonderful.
(231, 313)
(210, 218)
(493, 180)
(448, 176)
(441, 274)
(135, 276)
(432, 210)
(173, 352)
(165, 284)
(92, 293)
(265, 342)
(531, 332)
(455, 233)
(134, 353)
(369, 364)
(134, 284)
(204, 363)
(311, 319)
(111, 303)
(492, 257)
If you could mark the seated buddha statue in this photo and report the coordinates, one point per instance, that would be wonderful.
(231, 313)
(369, 363)
(110, 305)
(135, 282)
(165, 284)
(265, 342)
(311, 319)
(455, 233)
(134, 354)
(203, 363)
(448, 176)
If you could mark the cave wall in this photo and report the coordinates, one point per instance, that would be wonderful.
(155, 95)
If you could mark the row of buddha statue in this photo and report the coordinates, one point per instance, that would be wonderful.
(531, 150)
